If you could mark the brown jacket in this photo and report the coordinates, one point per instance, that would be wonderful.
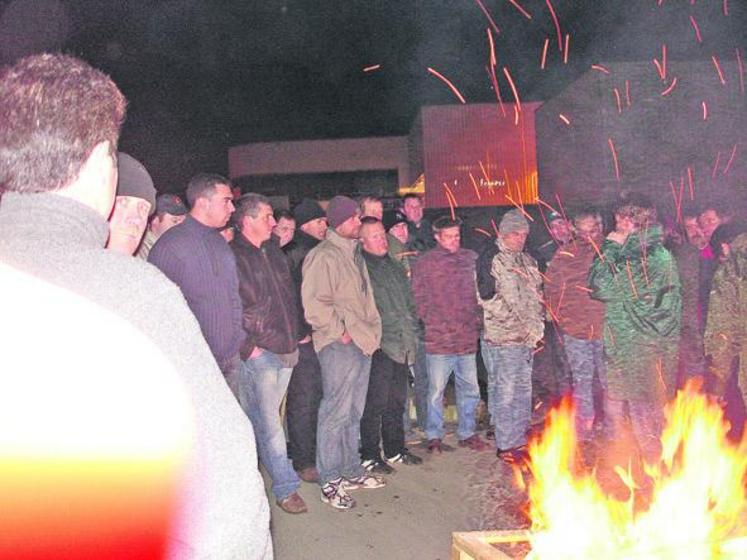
(337, 295)
(568, 295)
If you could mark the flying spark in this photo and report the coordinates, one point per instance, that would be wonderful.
(515, 4)
(487, 15)
(600, 68)
(718, 69)
(372, 68)
(670, 88)
(565, 51)
(696, 28)
(614, 158)
(513, 87)
(544, 54)
(731, 159)
(448, 83)
(705, 110)
(564, 119)
(557, 24)
(740, 67)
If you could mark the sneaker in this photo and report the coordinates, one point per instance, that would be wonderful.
(309, 474)
(335, 495)
(377, 466)
(364, 481)
(405, 457)
(474, 442)
(293, 504)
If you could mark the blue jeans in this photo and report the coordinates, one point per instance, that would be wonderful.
(586, 358)
(487, 359)
(420, 385)
(345, 371)
(440, 367)
(511, 376)
(263, 387)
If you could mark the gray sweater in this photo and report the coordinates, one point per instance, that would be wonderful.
(223, 510)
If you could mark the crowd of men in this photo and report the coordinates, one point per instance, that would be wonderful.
(313, 323)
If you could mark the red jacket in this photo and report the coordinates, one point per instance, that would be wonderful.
(445, 292)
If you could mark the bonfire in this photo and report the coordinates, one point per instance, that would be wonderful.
(695, 505)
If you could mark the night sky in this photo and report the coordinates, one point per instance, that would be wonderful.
(201, 76)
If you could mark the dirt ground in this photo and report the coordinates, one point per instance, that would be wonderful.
(413, 517)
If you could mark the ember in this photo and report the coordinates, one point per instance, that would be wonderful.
(697, 506)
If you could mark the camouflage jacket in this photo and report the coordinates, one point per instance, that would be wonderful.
(515, 315)
(639, 283)
(726, 327)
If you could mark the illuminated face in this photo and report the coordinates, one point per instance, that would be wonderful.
(708, 222)
(560, 231)
(284, 230)
(413, 209)
(694, 234)
(259, 228)
(624, 224)
(219, 207)
(350, 227)
(515, 240)
(449, 239)
(161, 224)
(373, 208)
(399, 232)
(127, 224)
(315, 228)
(373, 239)
(589, 228)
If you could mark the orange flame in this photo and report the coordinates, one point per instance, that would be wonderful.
(698, 505)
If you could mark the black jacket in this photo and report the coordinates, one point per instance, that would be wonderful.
(296, 252)
(268, 297)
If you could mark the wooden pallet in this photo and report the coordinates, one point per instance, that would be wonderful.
(478, 545)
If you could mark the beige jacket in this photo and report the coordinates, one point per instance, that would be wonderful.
(337, 295)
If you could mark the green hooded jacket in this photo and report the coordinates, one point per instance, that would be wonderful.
(726, 328)
(639, 283)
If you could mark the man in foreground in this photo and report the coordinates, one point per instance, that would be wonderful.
(58, 168)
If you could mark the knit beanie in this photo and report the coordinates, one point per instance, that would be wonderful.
(134, 180)
(392, 218)
(513, 220)
(307, 210)
(340, 209)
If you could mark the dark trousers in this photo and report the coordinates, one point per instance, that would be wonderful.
(302, 407)
(385, 404)
(551, 374)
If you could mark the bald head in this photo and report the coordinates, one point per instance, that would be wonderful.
(373, 238)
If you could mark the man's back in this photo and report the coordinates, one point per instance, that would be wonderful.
(224, 512)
